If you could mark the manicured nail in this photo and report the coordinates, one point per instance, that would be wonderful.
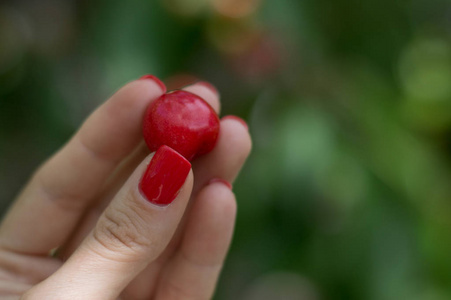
(157, 81)
(165, 175)
(231, 117)
(220, 180)
(209, 86)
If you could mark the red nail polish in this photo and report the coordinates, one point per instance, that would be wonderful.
(236, 119)
(157, 81)
(165, 175)
(209, 86)
(220, 180)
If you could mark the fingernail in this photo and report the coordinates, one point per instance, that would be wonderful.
(156, 80)
(209, 86)
(231, 117)
(220, 180)
(164, 176)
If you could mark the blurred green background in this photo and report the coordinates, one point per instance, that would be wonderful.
(347, 194)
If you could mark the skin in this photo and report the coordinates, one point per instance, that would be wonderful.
(72, 200)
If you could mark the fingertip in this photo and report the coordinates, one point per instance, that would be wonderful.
(207, 92)
(165, 174)
(156, 80)
(236, 118)
(227, 158)
(234, 133)
(137, 94)
(217, 200)
(114, 129)
(221, 181)
(209, 86)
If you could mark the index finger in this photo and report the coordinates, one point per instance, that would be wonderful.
(52, 203)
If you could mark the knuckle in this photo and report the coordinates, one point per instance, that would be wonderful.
(122, 230)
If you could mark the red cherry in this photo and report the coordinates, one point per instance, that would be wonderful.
(182, 121)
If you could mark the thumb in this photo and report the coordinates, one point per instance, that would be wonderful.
(133, 231)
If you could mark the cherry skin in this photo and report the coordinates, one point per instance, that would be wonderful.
(182, 121)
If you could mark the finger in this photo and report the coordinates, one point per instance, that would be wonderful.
(54, 200)
(19, 272)
(122, 173)
(204, 90)
(133, 230)
(225, 161)
(227, 158)
(33, 268)
(194, 270)
(117, 180)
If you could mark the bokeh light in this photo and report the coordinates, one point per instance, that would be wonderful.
(236, 8)
(425, 73)
(186, 8)
(233, 37)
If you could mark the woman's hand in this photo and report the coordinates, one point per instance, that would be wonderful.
(111, 241)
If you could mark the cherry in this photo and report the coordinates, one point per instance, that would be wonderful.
(182, 121)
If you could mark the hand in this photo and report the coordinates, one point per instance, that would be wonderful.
(111, 241)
